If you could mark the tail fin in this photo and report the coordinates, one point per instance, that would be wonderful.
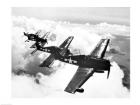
(64, 46)
(67, 42)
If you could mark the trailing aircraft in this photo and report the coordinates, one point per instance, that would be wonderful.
(38, 40)
(55, 51)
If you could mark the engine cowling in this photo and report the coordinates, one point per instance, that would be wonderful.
(80, 90)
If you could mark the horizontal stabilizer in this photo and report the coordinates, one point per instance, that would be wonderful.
(33, 46)
(33, 51)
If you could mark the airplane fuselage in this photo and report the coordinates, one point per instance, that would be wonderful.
(87, 62)
(79, 60)
(56, 51)
(36, 38)
(32, 37)
(62, 50)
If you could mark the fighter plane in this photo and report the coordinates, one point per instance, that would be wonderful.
(35, 36)
(56, 52)
(38, 40)
(88, 64)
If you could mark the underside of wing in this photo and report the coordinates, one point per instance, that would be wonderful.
(80, 77)
(48, 62)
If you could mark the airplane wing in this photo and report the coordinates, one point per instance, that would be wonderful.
(48, 62)
(100, 49)
(80, 77)
(64, 46)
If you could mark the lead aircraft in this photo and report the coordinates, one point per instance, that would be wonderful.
(88, 64)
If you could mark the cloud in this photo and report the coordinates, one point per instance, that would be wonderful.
(53, 86)
(116, 50)
(126, 79)
(24, 86)
(117, 15)
(43, 82)
(112, 29)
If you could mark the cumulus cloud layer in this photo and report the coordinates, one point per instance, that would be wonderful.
(52, 82)
(53, 86)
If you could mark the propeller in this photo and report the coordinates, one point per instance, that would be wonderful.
(108, 72)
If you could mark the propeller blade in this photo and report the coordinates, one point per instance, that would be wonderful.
(108, 73)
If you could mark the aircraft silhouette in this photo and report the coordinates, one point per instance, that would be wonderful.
(38, 40)
(88, 64)
(55, 51)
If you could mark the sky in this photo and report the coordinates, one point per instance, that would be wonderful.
(92, 15)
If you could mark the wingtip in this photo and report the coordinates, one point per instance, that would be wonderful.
(69, 91)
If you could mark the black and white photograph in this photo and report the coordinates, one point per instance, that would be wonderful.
(70, 52)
